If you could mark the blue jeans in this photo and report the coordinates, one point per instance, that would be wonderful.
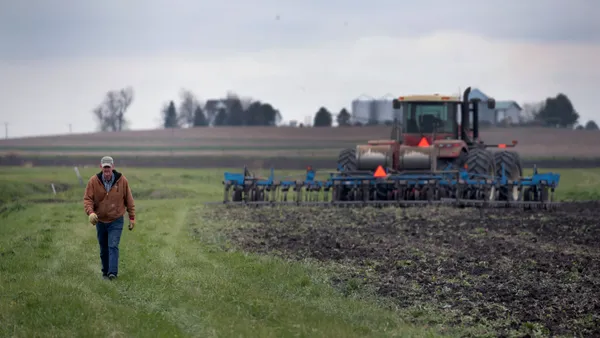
(109, 236)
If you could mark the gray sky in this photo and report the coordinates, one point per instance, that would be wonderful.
(58, 59)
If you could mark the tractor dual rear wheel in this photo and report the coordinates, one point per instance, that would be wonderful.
(347, 159)
(481, 162)
(513, 170)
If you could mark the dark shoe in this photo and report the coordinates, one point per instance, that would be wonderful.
(112, 276)
(104, 276)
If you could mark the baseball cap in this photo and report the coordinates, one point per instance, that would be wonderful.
(106, 161)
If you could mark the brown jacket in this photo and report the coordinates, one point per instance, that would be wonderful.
(108, 205)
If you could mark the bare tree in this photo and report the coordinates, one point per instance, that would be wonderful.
(111, 112)
(187, 108)
(105, 122)
(530, 112)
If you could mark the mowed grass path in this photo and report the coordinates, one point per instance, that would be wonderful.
(175, 280)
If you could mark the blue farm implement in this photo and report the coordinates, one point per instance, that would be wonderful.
(385, 187)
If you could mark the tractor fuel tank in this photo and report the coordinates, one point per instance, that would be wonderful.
(371, 156)
(417, 158)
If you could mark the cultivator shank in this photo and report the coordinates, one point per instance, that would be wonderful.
(385, 187)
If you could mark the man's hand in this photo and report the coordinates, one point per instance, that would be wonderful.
(93, 218)
(131, 224)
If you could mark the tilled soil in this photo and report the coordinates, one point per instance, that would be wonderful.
(510, 271)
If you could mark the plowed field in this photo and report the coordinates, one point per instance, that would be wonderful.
(283, 142)
(506, 273)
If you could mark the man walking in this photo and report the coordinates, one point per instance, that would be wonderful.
(106, 198)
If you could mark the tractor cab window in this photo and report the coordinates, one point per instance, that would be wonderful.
(425, 117)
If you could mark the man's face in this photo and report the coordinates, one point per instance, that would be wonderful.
(107, 170)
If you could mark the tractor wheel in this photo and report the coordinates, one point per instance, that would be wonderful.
(490, 156)
(454, 163)
(347, 159)
(517, 158)
(513, 171)
(481, 162)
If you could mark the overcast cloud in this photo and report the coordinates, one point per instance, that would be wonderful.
(57, 59)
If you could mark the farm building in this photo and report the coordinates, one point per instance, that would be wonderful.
(509, 110)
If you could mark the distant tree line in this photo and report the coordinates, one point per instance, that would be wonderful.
(233, 110)
(229, 111)
(556, 112)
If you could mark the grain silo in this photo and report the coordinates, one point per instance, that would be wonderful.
(361, 109)
(385, 109)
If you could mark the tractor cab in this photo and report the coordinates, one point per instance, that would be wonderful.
(426, 116)
(436, 117)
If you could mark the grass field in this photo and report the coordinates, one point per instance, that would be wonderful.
(180, 274)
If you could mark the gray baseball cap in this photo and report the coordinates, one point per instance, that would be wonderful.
(107, 161)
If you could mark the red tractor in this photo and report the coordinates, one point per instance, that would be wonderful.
(430, 138)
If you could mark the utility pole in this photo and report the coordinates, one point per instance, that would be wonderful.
(70, 129)
(6, 130)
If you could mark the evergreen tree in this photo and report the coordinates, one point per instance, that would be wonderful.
(170, 119)
(323, 118)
